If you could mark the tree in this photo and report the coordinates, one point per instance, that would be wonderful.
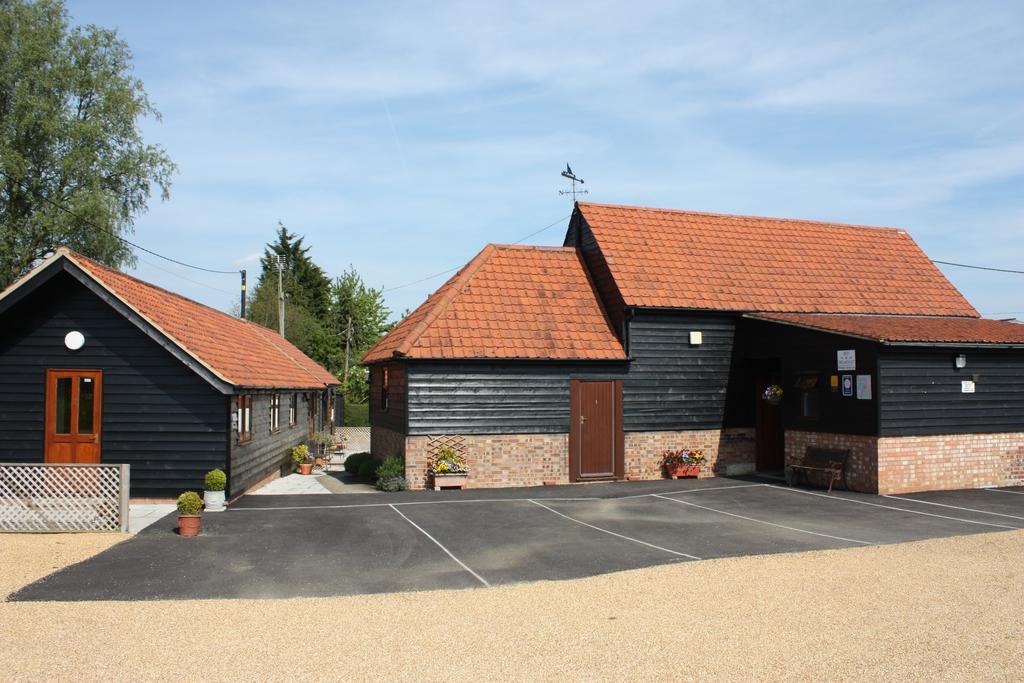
(74, 169)
(352, 302)
(307, 297)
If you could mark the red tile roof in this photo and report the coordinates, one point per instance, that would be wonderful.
(516, 302)
(239, 352)
(683, 259)
(908, 328)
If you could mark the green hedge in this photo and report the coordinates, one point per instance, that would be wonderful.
(357, 415)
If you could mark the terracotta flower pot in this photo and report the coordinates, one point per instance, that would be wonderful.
(682, 471)
(189, 525)
(306, 468)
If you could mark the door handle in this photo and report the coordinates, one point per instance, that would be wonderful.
(582, 420)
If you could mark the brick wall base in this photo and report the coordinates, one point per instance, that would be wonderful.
(861, 468)
(726, 451)
(386, 442)
(905, 464)
(950, 461)
(535, 459)
(499, 460)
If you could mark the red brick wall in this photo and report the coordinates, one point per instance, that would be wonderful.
(724, 449)
(385, 442)
(499, 460)
(951, 461)
(861, 468)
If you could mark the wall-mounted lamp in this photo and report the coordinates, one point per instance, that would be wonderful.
(696, 338)
(74, 340)
(960, 362)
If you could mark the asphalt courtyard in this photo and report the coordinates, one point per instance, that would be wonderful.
(326, 545)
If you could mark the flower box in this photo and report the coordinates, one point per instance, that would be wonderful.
(455, 480)
(681, 471)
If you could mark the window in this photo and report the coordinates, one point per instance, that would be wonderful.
(807, 384)
(243, 418)
(275, 413)
(384, 389)
(293, 410)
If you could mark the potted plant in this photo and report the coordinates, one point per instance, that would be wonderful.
(772, 394)
(449, 469)
(682, 463)
(213, 496)
(190, 507)
(301, 459)
(324, 442)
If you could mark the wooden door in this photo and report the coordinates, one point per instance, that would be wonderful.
(769, 436)
(74, 400)
(596, 438)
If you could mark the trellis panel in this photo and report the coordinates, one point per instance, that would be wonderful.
(63, 497)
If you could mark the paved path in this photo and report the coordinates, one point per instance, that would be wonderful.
(293, 484)
(141, 515)
(318, 545)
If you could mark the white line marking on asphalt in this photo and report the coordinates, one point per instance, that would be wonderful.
(612, 533)
(438, 543)
(955, 507)
(1016, 493)
(672, 493)
(887, 507)
(761, 521)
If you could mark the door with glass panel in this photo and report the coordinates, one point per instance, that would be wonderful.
(73, 416)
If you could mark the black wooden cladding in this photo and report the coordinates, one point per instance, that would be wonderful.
(672, 384)
(495, 397)
(158, 416)
(267, 451)
(580, 235)
(921, 392)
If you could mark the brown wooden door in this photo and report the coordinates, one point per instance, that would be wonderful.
(74, 400)
(769, 437)
(595, 448)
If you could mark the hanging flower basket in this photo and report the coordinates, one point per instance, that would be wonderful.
(772, 394)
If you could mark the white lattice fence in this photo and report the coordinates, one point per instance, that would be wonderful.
(65, 497)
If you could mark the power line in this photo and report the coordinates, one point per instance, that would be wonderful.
(186, 279)
(964, 265)
(71, 213)
(452, 270)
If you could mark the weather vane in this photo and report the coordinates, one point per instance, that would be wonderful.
(567, 173)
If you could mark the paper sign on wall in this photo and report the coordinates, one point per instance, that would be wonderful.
(967, 387)
(864, 387)
(847, 385)
(846, 360)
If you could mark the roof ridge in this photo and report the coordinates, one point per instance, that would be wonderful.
(530, 247)
(77, 255)
(802, 221)
(457, 283)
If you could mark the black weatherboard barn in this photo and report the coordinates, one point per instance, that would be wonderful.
(761, 341)
(97, 366)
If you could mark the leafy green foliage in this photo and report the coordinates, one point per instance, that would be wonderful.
(368, 470)
(391, 474)
(352, 301)
(216, 480)
(300, 454)
(357, 414)
(69, 137)
(189, 503)
(355, 461)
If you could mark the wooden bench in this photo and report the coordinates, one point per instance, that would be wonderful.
(830, 462)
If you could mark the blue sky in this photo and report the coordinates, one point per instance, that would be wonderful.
(401, 138)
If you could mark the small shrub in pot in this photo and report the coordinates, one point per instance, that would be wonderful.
(213, 496)
(190, 506)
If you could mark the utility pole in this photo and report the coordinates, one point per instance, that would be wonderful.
(348, 344)
(280, 263)
(243, 294)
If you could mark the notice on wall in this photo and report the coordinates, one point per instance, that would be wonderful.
(847, 385)
(864, 387)
(846, 360)
(833, 383)
(967, 387)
